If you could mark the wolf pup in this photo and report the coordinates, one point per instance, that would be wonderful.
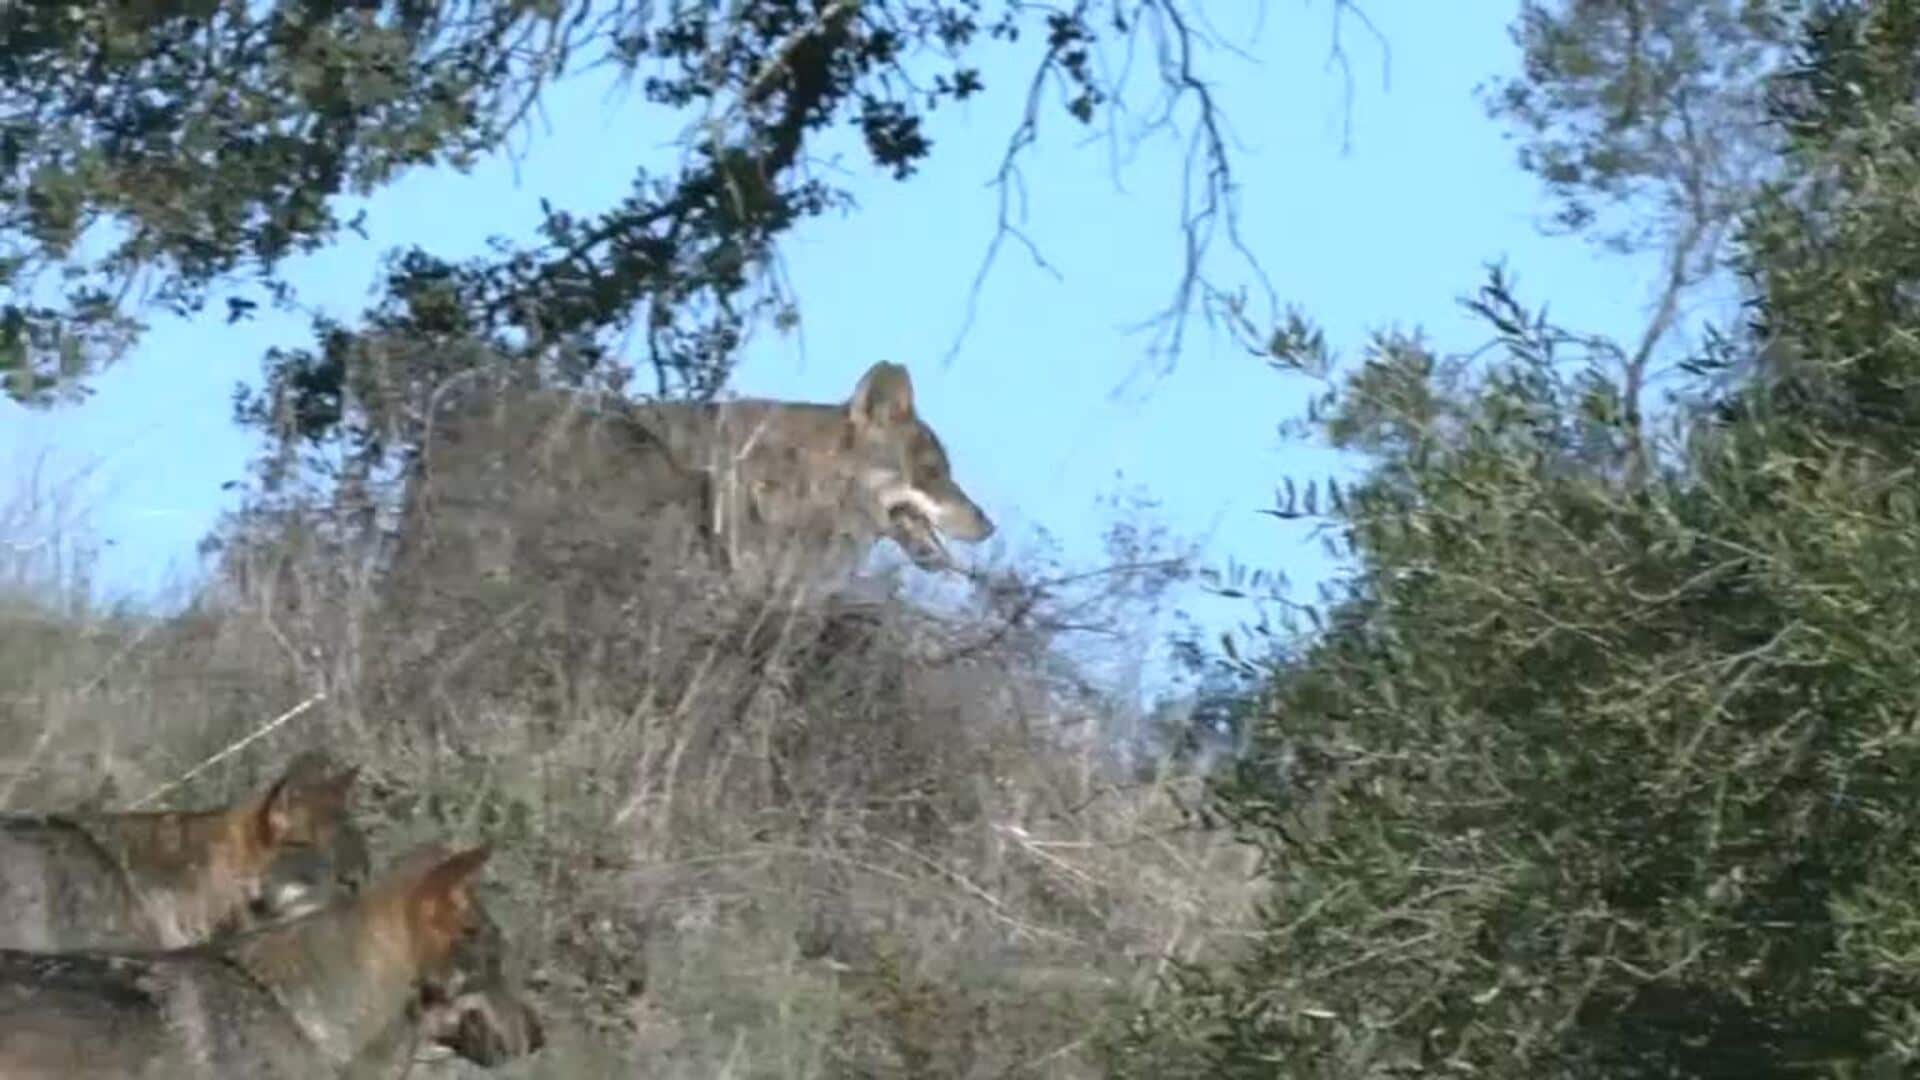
(806, 484)
(171, 879)
(340, 992)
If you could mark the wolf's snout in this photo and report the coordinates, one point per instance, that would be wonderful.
(490, 1029)
(966, 521)
(986, 525)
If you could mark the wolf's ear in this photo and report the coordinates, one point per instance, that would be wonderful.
(447, 882)
(440, 900)
(331, 795)
(884, 396)
(298, 796)
(280, 810)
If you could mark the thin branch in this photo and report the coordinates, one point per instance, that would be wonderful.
(1209, 196)
(234, 748)
(1680, 255)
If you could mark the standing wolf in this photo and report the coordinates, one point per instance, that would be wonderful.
(769, 487)
(165, 880)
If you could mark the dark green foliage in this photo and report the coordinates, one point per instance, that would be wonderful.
(1590, 778)
(214, 137)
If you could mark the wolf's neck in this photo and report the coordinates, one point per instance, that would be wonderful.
(157, 846)
(696, 433)
(344, 980)
(184, 867)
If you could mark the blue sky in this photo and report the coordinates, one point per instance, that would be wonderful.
(1036, 407)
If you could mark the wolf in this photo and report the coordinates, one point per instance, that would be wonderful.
(347, 991)
(765, 486)
(172, 879)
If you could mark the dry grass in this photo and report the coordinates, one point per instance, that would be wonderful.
(741, 836)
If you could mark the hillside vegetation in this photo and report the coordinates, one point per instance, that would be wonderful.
(739, 835)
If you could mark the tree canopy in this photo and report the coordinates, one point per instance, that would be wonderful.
(182, 153)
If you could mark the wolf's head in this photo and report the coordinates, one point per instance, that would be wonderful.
(468, 1002)
(303, 878)
(313, 850)
(473, 1008)
(904, 469)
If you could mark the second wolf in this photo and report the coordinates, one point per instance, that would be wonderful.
(348, 991)
(167, 880)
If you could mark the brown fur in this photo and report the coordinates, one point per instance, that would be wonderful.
(347, 991)
(172, 879)
(772, 487)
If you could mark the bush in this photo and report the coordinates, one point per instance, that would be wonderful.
(1600, 773)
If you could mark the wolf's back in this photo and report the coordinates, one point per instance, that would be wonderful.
(59, 889)
(130, 1017)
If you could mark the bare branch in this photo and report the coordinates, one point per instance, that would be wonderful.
(1209, 207)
